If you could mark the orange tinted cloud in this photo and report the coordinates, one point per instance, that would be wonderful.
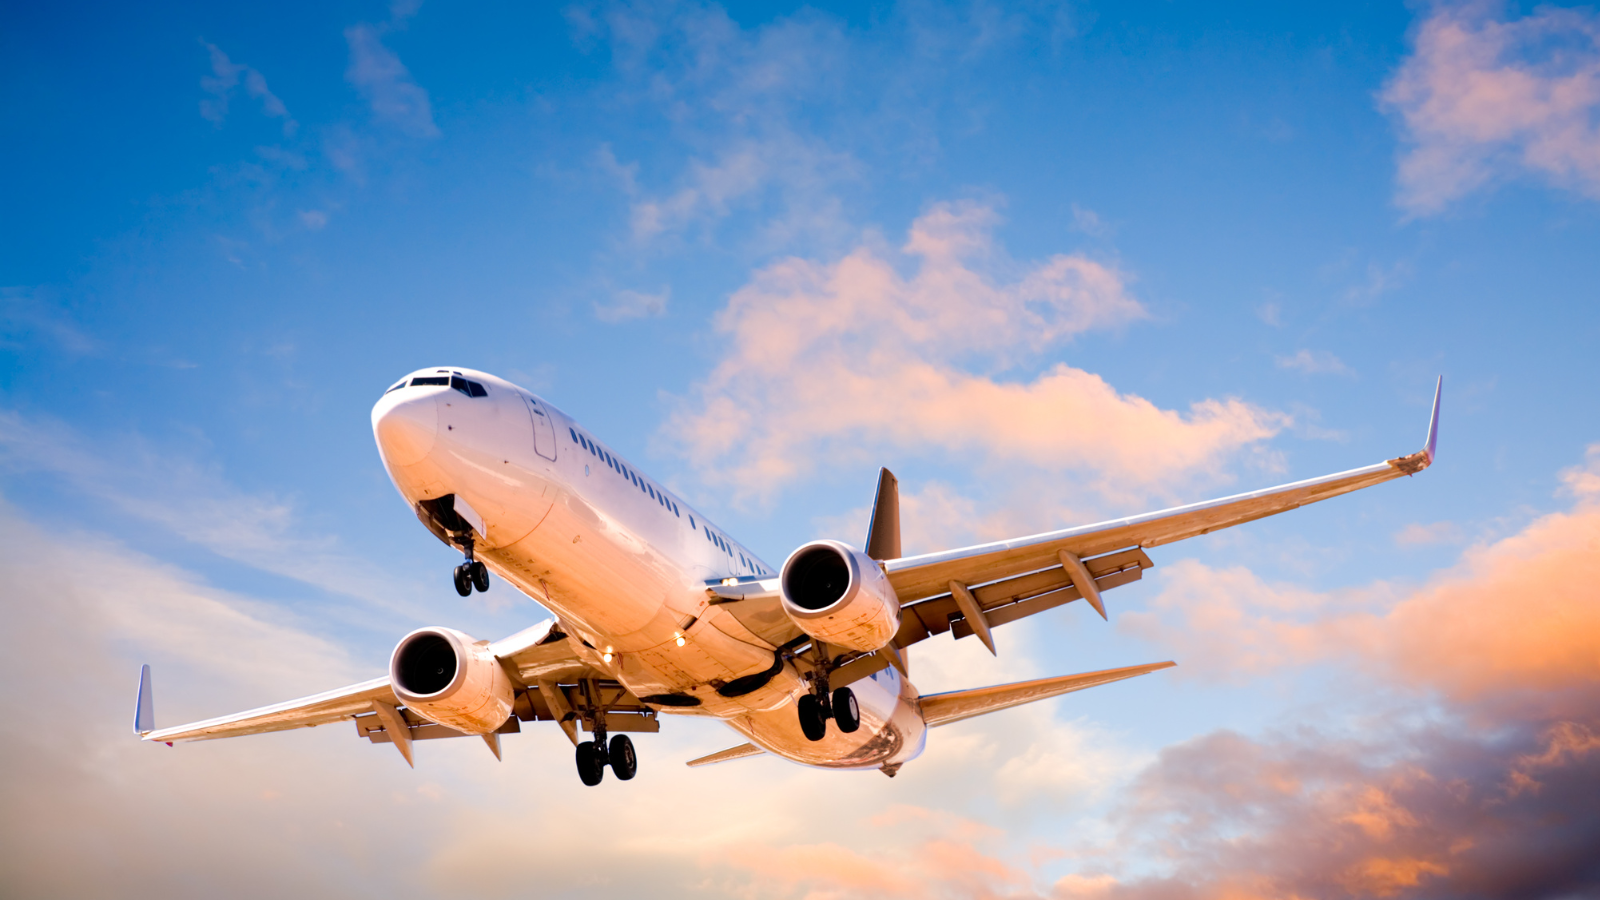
(828, 360)
(1481, 98)
(1521, 614)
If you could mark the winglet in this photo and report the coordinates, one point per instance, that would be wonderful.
(1433, 422)
(144, 715)
(883, 535)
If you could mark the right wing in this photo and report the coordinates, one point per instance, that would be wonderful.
(1008, 580)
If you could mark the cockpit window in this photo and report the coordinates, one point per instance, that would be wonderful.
(397, 387)
(429, 379)
(470, 388)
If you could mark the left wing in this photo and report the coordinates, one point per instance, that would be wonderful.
(549, 678)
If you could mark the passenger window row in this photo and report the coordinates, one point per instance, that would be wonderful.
(645, 487)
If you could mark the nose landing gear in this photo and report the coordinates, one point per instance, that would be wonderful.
(471, 574)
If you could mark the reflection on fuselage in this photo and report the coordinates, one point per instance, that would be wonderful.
(621, 561)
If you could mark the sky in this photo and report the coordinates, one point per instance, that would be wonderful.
(1050, 263)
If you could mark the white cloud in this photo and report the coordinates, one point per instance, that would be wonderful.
(1483, 98)
(626, 305)
(225, 77)
(394, 97)
(1314, 362)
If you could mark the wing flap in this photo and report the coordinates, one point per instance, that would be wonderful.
(943, 709)
(1009, 599)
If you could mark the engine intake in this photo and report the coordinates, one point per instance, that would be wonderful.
(446, 677)
(839, 595)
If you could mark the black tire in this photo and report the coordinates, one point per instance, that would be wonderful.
(591, 765)
(812, 722)
(846, 713)
(480, 576)
(463, 581)
(624, 764)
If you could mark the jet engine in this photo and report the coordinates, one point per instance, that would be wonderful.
(839, 595)
(446, 677)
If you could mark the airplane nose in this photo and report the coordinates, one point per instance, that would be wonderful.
(406, 427)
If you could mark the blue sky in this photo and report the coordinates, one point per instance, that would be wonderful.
(1049, 262)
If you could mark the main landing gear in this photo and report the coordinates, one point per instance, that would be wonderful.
(841, 707)
(595, 755)
(471, 574)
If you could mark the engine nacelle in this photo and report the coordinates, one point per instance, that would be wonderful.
(839, 595)
(446, 677)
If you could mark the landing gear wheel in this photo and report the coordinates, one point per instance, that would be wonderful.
(624, 764)
(812, 722)
(591, 763)
(480, 576)
(846, 714)
(463, 580)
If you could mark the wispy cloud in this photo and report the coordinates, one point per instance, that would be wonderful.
(194, 502)
(383, 80)
(225, 78)
(1484, 97)
(626, 305)
(830, 360)
(27, 315)
(1314, 362)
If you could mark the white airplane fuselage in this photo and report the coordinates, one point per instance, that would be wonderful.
(621, 562)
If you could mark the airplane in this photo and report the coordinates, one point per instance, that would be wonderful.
(657, 611)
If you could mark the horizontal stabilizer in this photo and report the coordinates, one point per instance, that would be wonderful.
(942, 709)
(739, 752)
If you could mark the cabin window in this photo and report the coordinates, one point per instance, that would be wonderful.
(574, 435)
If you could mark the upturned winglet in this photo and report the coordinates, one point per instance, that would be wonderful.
(144, 714)
(1433, 421)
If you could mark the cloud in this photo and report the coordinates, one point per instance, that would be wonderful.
(626, 305)
(1483, 98)
(1515, 623)
(194, 502)
(394, 97)
(837, 360)
(225, 77)
(1417, 534)
(1435, 812)
(28, 314)
(1314, 362)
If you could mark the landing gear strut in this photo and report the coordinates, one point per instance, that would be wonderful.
(471, 574)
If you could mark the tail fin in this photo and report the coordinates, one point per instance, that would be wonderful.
(144, 713)
(942, 709)
(883, 535)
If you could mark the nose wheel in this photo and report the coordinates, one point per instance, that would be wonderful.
(471, 575)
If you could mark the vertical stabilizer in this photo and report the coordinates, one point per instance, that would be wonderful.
(883, 535)
(144, 714)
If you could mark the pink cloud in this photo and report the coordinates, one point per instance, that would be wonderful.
(832, 360)
(1482, 98)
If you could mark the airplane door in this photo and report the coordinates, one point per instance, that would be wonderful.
(544, 433)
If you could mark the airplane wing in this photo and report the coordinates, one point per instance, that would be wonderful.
(548, 675)
(972, 589)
